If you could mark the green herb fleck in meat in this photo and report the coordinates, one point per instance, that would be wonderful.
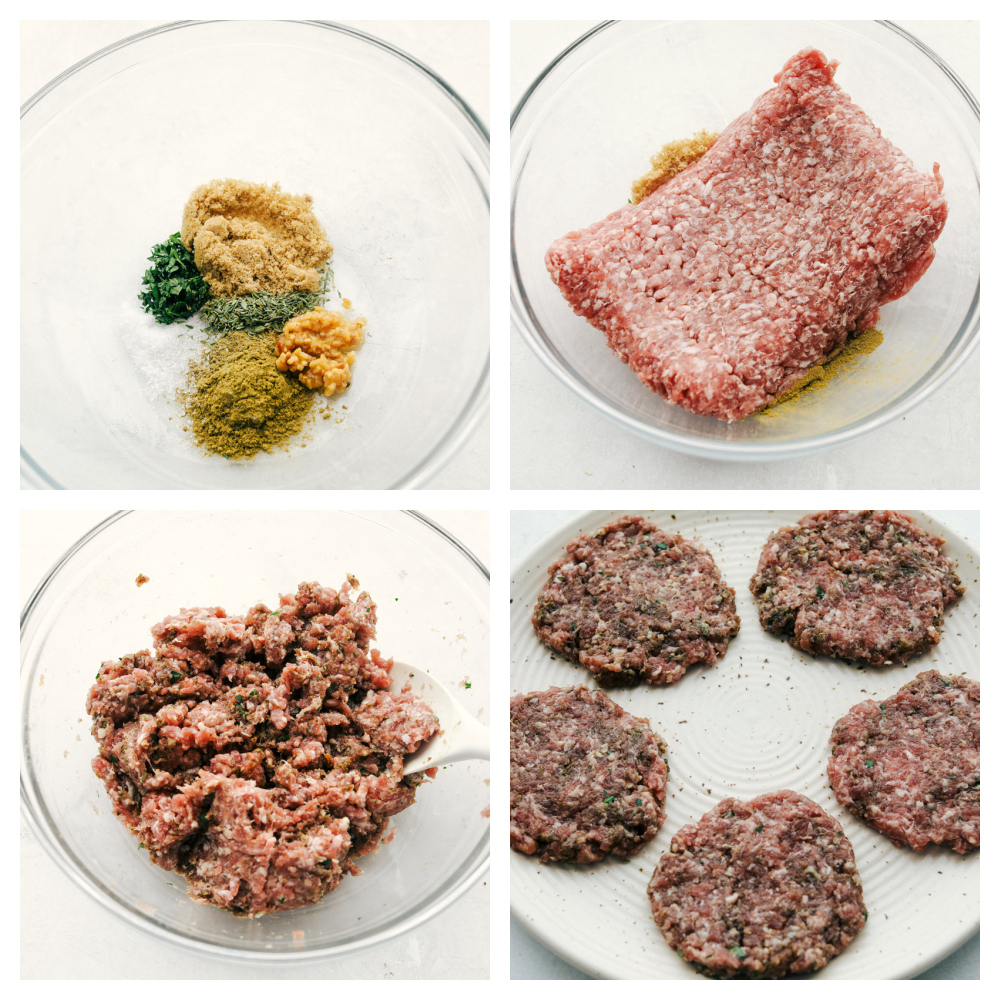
(759, 828)
(174, 674)
(869, 763)
(610, 798)
(738, 952)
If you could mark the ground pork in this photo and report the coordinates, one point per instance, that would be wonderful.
(586, 778)
(633, 603)
(258, 754)
(730, 281)
(759, 889)
(867, 585)
(909, 766)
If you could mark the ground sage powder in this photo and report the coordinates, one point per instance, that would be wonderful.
(237, 403)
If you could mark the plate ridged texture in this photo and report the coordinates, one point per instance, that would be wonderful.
(758, 721)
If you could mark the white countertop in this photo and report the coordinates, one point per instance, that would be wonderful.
(67, 935)
(531, 960)
(458, 51)
(558, 442)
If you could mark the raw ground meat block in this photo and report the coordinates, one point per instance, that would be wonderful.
(864, 585)
(759, 889)
(757, 262)
(909, 766)
(586, 778)
(631, 603)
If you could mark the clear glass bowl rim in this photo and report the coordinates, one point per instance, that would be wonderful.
(38, 820)
(477, 403)
(962, 346)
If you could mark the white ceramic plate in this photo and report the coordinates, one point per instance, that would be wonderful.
(757, 721)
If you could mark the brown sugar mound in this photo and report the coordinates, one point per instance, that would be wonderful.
(317, 346)
(250, 237)
(671, 160)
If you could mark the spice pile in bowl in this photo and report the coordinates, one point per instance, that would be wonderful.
(253, 262)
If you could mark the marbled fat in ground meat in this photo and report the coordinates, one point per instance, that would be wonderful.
(633, 603)
(259, 754)
(909, 766)
(586, 778)
(759, 889)
(867, 585)
(725, 285)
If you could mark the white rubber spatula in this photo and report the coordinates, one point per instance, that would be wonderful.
(463, 738)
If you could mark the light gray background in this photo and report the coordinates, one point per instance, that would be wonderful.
(457, 51)
(558, 442)
(65, 934)
(530, 959)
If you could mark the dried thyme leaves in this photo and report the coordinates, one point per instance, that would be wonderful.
(261, 311)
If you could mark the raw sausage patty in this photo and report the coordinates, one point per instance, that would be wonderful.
(586, 778)
(634, 603)
(759, 889)
(867, 585)
(909, 766)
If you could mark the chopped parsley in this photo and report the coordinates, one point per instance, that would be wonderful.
(869, 763)
(819, 592)
(174, 287)
(759, 828)
(467, 684)
(738, 952)
(174, 674)
(610, 798)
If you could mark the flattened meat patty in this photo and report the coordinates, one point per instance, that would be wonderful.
(909, 766)
(867, 585)
(634, 603)
(586, 778)
(759, 889)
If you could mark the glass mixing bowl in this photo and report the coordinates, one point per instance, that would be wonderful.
(432, 597)
(585, 130)
(398, 167)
